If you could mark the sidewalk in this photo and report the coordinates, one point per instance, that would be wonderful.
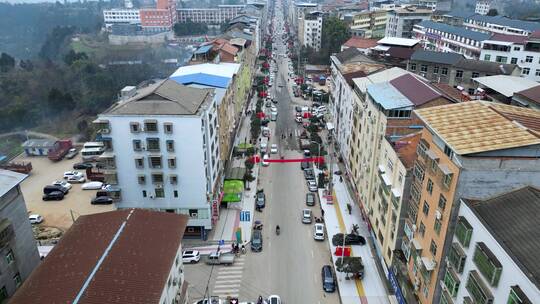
(370, 289)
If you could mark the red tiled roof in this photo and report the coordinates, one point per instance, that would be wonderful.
(229, 48)
(134, 270)
(533, 94)
(450, 92)
(509, 38)
(415, 90)
(360, 43)
(535, 35)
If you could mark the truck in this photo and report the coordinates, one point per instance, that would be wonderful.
(92, 175)
(60, 149)
(20, 167)
(219, 258)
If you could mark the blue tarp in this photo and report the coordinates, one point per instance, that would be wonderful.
(203, 49)
(204, 79)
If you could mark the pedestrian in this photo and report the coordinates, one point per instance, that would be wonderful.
(341, 179)
(349, 208)
(322, 212)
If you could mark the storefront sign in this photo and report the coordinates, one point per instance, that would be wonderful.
(395, 285)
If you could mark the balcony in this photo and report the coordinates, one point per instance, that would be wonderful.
(487, 263)
(451, 281)
(457, 257)
(478, 291)
(6, 232)
(107, 161)
(102, 126)
(464, 231)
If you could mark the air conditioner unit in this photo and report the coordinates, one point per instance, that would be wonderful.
(159, 186)
(438, 214)
(105, 131)
(414, 228)
(194, 214)
(152, 196)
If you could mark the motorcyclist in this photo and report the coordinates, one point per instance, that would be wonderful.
(277, 229)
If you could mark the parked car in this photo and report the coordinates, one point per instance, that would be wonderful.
(256, 241)
(35, 219)
(318, 233)
(54, 195)
(72, 153)
(213, 300)
(298, 119)
(309, 174)
(312, 185)
(274, 149)
(82, 166)
(92, 186)
(328, 281)
(268, 104)
(67, 186)
(77, 179)
(307, 216)
(305, 165)
(72, 173)
(310, 199)
(261, 200)
(52, 188)
(101, 200)
(350, 239)
(274, 299)
(191, 256)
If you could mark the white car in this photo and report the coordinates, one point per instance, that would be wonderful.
(274, 299)
(76, 179)
(312, 186)
(62, 184)
(264, 160)
(273, 149)
(298, 119)
(35, 219)
(67, 174)
(307, 216)
(191, 256)
(273, 109)
(92, 186)
(318, 233)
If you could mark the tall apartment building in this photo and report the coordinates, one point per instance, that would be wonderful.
(521, 50)
(310, 30)
(447, 38)
(473, 150)
(494, 251)
(215, 16)
(163, 151)
(159, 19)
(500, 25)
(18, 248)
(369, 24)
(121, 16)
(400, 21)
(296, 14)
(482, 7)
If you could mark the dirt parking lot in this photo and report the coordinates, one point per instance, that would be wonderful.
(57, 213)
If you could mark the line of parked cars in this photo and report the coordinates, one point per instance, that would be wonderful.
(58, 189)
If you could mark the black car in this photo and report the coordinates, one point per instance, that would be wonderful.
(82, 166)
(53, 196)
(310, 199)
(350, 239)
(256, 241)
(102, 200)
(53, 188)
(328, 281)
(305, 165)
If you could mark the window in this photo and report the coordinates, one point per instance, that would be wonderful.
(525, 71)
(429, 186)
(422, 229)
(150, 126)
(435, 70)
(137, 145)
(154, 162)
(425, 208)
(444, 71)
(529, 59)
(513, 60)
(433, 248)
(451, 281)
(463, 231)
(459, 74)
(437, 226)
(175, 193)
(487, 263)
(173, 178)
(17, 279)
(390, 165)
(442, 202)
(413, 66)
(194, 213)
(157, 178)
(170, 145)
(501, 59)
(537, 73)
(447, 180)
(141, 178)
(423, 68)
(487, 57)
(152, 144)
(159, 192)
(457, 257)
(517, 48)
(144, 193)
(167, 127)
(477, 289)
(475, 74)
(139, 163)
(516, 296)
(10, 258)
(134, 127)
(172, 162)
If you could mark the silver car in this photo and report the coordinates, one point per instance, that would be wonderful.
(307, 216)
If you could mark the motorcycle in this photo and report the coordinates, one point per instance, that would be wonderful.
(277, 230)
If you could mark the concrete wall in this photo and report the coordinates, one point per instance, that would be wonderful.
(157, 38)
(176, 273)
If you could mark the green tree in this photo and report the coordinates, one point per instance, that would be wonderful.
(6, 62)
(73, 56)
(349, 265)
(334, 33)
(190, 28)
(492, 12)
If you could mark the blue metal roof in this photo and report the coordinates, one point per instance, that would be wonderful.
(203, 49)
(505, 21)
(388, 96)
(459, 31)
(204, 79)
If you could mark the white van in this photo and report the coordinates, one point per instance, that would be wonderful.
(265, 131)
(264, 145)
(273, 116)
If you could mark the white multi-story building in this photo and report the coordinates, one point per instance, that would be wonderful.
(163, 150)
(221, 14)
(297, 14)
(493, 255)
(400, 21)
(442, 37)
(482, 7)
(121, 16)
(311, 30)
(500, 24)
(521, 50)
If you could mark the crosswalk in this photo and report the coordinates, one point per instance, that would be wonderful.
(228, 279)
